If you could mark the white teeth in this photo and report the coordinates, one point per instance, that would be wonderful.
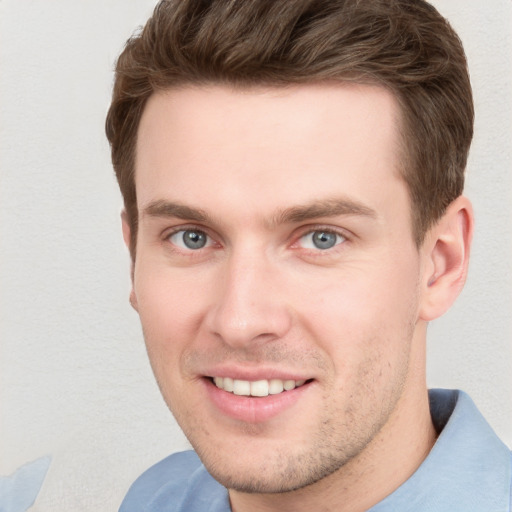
(259, 388)
(241, 387)
(289, 385)
(275, 386)
(256, 388)
(228, 384)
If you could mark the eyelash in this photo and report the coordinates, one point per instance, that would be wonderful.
(310, 230)
(183, 229)
(305, 231)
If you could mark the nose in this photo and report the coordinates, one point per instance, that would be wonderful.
(249, 305)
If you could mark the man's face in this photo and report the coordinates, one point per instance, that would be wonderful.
(275, 251)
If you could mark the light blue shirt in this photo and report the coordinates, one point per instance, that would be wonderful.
(19, 491)
(468, 470)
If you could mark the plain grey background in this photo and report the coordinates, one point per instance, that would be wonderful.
(74, 378)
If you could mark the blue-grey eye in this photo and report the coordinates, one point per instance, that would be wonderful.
(192, 239)
(321, 240)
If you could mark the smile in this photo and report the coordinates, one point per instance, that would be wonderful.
(258, 388)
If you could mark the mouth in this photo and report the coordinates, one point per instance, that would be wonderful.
(255, 401)
(257, 388)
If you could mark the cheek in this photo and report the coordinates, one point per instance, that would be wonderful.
(168, 301)
(363, 315)
(355, 302)
(170, 310)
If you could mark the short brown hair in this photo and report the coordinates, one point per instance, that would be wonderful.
(403, 45)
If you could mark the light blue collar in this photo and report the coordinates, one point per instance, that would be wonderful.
(468, 470)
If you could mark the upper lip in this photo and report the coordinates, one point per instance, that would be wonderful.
(255, 373)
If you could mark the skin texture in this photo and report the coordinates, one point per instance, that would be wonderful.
(257, 172)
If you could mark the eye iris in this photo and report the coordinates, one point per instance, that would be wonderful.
(194, 239)
(324, 239)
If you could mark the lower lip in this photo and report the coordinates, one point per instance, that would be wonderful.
(253, 409)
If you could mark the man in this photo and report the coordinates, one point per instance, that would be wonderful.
(292, 174)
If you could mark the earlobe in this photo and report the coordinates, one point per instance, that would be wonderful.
(126, 229)
(128, 240)
(446, 249)
(133, 300)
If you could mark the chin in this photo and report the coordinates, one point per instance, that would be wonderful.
(271, 474)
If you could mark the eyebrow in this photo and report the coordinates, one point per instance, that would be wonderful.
(322, 208)
(162, 208)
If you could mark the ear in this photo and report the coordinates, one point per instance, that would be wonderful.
(127, 231)
(446, 251)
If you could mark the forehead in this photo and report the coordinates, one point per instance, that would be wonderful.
(268, 146)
